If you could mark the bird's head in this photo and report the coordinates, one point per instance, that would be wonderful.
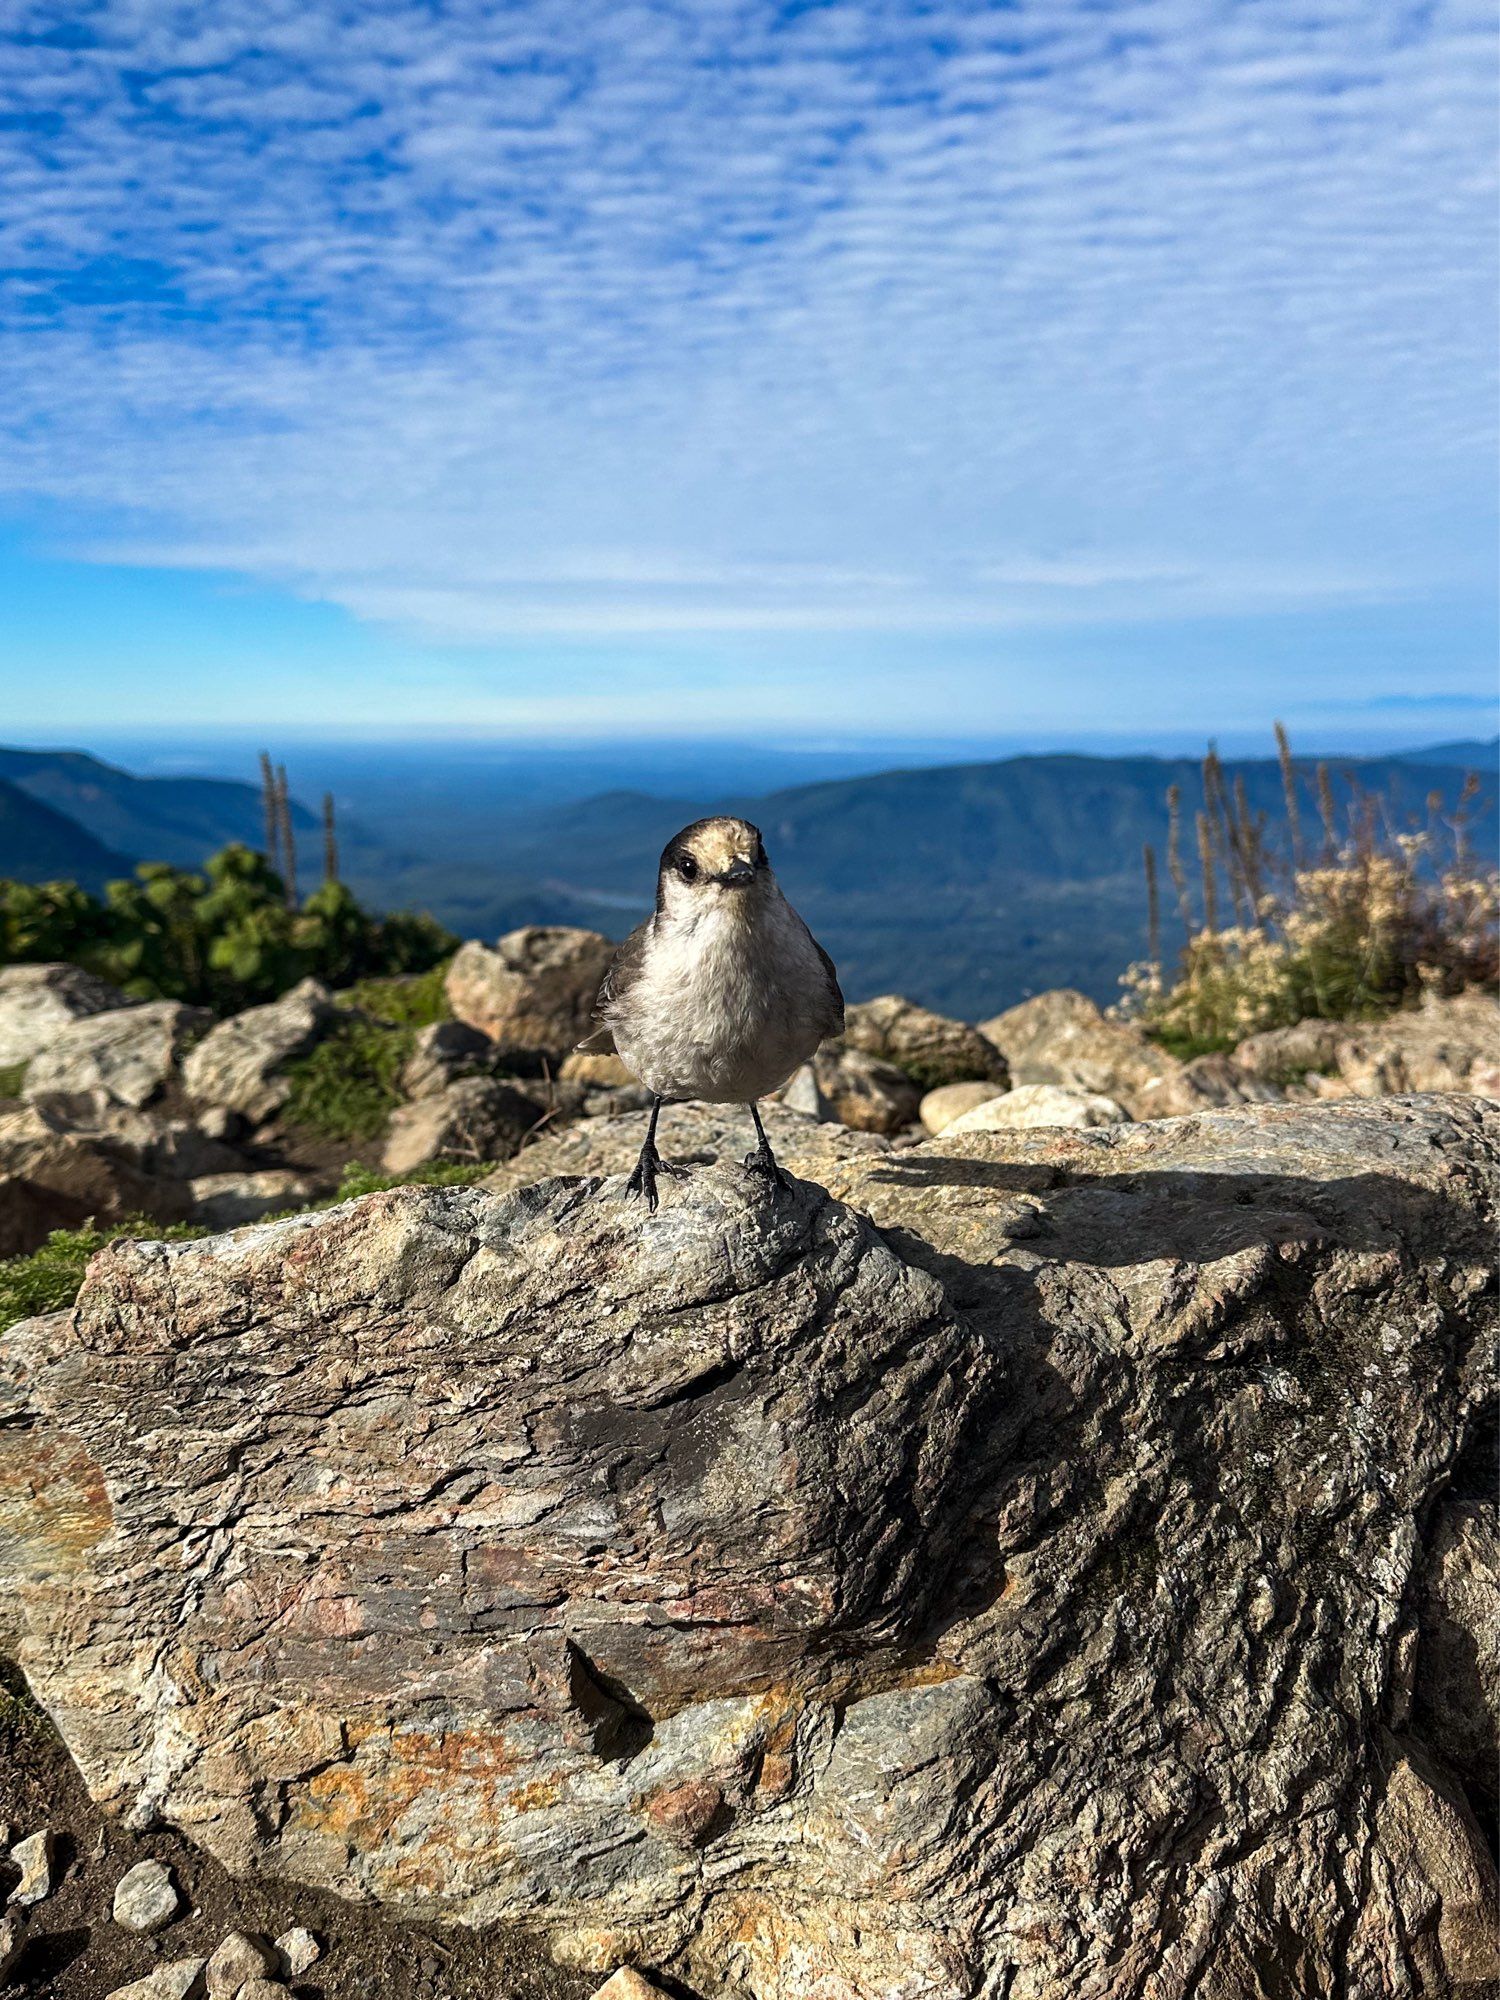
(714, 864)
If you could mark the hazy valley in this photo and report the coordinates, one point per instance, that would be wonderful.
(966, 886)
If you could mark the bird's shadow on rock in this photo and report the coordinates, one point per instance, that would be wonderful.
(1114, 1218)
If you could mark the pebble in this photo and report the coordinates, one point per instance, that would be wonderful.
(237, 1959)
(628, 1984)
(146, 1897)
(263, 1989)
(36, 1857)
(297, 1950)
(177, 1981)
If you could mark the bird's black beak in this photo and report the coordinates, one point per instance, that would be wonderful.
(737, 875)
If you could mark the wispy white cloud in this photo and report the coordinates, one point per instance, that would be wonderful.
(546, 318)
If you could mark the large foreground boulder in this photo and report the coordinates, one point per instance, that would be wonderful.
(534, 991)
(1030, 1598)
(1458, 1684)
(520, 1595)
(37, 1001)
(131, 1054)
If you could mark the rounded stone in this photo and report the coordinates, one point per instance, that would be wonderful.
(146, 1897)
(940, 1107)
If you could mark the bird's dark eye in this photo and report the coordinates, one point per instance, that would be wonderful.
(687, 867)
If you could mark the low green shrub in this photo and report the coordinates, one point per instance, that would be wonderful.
(223, 938)
(346, 1087)
(12, 1077)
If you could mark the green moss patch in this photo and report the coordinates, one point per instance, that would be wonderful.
(415, 1000)
(360, 1180)
(48, 1280)
(346, 1087)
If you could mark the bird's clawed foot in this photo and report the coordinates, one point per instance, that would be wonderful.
(763, 1161)
(643, 1175)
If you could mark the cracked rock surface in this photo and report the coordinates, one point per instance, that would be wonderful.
(502, 1555)
(1034, 1594)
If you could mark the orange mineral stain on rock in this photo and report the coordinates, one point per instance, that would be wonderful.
(362, 1801)
(53, 1502)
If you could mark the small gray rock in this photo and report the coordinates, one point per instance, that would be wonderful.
(180, 1980)
(242, 1062)
(1031, 1105)
(229, 1201)
(443, 1052)
(221, 1122)
(146, 1897)
(297, 1949)
(940, 1107)
(36, 1857)
(929, 1047)
(128, 1053)
(801, 1093)
(38, 1001)
(235, 1961)
(534, 991)
(12, 1941)
(476, 1118)
(262, 1989)
(863, 1091)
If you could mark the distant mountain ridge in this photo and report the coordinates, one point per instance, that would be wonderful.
(181, 820)
(1469, 755)
(39, 844)
(966, 886)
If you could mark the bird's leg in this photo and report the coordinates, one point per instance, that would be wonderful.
(763, 1160)
(643, 1175)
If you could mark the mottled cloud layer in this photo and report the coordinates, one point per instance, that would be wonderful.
(484, 320)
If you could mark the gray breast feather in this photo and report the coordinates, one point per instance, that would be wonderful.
(720, 1008)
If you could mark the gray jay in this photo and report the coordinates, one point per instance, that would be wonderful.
(721, 993)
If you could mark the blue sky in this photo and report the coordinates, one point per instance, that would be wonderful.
(732, 368)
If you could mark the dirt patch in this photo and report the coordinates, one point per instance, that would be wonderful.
(75, 1950)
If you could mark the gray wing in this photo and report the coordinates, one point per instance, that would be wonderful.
(616, 984)
(835, 992)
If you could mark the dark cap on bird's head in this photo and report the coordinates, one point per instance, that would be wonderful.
(712, 856)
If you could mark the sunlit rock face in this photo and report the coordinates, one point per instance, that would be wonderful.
(486, 1553)
(1025, 1595)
